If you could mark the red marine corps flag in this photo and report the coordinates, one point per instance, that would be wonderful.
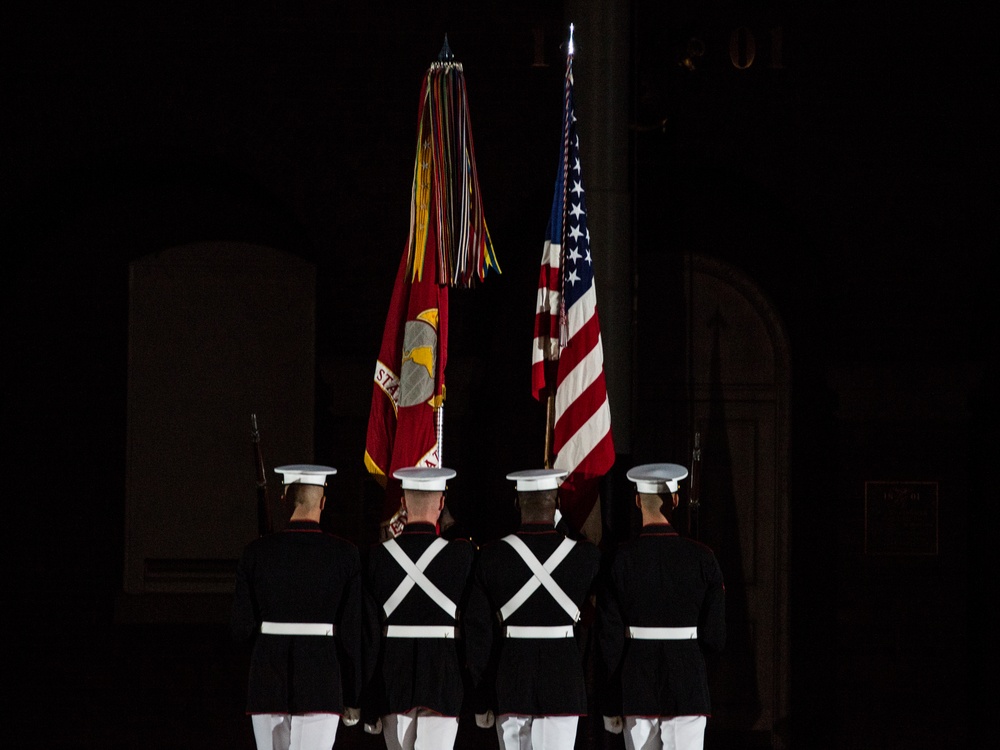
(448, 245)
(567, 364)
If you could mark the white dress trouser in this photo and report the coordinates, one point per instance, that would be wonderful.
(295, 731)
(519, 732)
(419, 729)
(677, 733)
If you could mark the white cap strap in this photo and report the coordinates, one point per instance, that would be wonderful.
(305, 473)
(656, 479)
(534, 480)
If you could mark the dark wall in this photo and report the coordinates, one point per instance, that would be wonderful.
(854, 184)
(847, 172)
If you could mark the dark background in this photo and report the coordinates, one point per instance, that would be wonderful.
(867, 161)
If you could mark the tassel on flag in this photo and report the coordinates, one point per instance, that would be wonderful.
(446, 196)
(448, 246)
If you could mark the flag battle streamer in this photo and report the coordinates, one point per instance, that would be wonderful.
(448, 246)
(567, 363)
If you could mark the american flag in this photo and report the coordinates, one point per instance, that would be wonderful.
(567, 356)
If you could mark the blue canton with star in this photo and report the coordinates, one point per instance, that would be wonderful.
(578, 273)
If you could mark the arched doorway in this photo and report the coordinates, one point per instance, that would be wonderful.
(713, 384)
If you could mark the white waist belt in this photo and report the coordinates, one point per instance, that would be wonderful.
(297, 628)
(420, 631)
(539, 631)
(663, 634)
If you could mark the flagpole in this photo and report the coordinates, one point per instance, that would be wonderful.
(439, 427)
(550, 403)
(550, 408)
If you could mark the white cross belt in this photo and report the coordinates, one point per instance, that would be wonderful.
(415, 575)
(541, 576)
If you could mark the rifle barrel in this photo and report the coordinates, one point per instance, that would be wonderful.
(694, 498)
(263, 507)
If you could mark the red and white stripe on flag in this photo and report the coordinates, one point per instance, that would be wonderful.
(567, 356)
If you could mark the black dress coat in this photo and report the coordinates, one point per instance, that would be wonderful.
(300, 574)
(417, 672)
(535, 677)
(661, 579)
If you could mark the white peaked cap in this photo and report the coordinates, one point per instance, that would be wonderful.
(531, 480)
(305, 473)
(655, 479)
(421, 478)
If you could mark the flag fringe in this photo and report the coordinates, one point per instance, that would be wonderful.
(445, 194)
(375, 470)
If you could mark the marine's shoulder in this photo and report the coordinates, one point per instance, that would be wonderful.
(697, 547)
(462, 545)
(339, 544)
(336, 539)
(490, 546)
(587, 548)
(494, 548)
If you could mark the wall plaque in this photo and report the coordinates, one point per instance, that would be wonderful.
(901, 518)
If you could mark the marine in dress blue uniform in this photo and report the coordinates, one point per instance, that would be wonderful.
(660, 610)
(418, 582)
(298, 601)
(528, 591)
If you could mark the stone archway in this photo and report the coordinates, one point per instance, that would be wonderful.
(738, 393)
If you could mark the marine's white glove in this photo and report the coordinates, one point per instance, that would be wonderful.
(485, 721)
(375, 728)
(613, 724)
(350, 717)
